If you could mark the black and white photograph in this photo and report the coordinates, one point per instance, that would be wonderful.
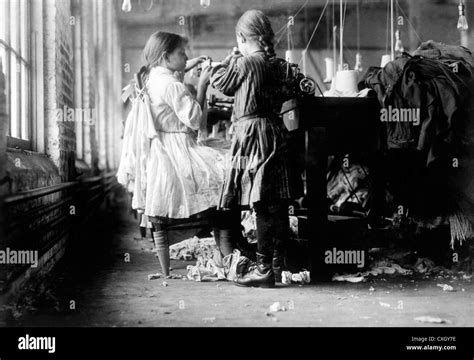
(237, 164)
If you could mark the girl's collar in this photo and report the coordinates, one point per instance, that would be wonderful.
(162, 70)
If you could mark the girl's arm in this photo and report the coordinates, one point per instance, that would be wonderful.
(201, 99)
(228, 76)
(192, 63)
(203, 84)
(185, 107)
(189, 111)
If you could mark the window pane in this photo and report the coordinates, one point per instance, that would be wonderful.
(25, 131)
(24, 29)
(14, 97)
(3, 20)
(3, 62)
(4, 78)
(15, 24)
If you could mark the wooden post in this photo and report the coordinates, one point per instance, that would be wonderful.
(316, 167)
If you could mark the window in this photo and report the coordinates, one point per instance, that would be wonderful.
(15, 23)
(78, 75)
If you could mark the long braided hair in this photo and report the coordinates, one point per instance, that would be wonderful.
(157, 47)
(255, 24)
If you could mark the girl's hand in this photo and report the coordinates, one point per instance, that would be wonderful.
(192, 63)
(205, 77)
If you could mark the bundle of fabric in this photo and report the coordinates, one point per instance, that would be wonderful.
(194, 248)
(210, 266)
(448, 54)
(218, 268)
(429, 116)
(391, 267)
(348, 185)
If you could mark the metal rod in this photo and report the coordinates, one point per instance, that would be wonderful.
(334, 49)
(32, 194)
(341, 57)
(392, 47)
(92, 179)
(35, 193)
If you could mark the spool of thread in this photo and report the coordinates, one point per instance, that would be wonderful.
(346, 81)
(126, 6)
(329, 70)
(290, 56)
(385, 60)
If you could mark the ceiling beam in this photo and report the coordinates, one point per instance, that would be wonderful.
(164, 10)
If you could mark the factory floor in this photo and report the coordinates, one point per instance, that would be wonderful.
(98, 287)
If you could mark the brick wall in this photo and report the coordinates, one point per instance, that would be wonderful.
(42, 223)
(58, 69)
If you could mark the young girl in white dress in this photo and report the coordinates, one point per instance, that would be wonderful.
(183, 178)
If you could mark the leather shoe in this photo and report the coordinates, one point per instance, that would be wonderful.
(259, 274)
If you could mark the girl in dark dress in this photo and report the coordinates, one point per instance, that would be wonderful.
(258, 173)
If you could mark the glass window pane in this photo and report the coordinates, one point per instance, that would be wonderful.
(15, 25)
(24, 29)
(25, 131)
(14, 97)
(3, 63)
(4, 69)
(3, 79)
(3, 20)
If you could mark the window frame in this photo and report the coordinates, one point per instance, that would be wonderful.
(24, 125)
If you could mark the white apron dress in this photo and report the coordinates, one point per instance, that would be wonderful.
(182, 177)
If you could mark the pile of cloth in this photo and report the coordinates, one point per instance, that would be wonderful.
(430, 161)
(217, 268)
(347, 185)
(210, 265)
(194, 248)
(403, 263)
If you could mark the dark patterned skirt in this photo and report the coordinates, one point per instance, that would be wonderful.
(258, 166)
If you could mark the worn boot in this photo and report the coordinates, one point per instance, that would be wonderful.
(162, 248)
(278, 265)
(259, 274)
